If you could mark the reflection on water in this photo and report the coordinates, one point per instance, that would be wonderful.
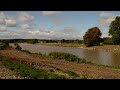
(98, 57)
(104, 58)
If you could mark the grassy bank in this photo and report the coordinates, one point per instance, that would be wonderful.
(28, 71)
(59, 56)
(67, 57)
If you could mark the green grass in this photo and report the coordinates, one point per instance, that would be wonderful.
(67, 57)
(60, 56)
(65, 44)
(75, 75)
(28, 71)
(1, 43)
(40, 55)
(71, 73)
(114, 48)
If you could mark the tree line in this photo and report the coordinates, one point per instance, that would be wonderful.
(34, 41)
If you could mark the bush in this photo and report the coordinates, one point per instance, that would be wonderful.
(108, 41)
(66, 56)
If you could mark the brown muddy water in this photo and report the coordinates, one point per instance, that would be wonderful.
(98, 57)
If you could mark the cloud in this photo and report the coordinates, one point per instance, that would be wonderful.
(106, 18)
(25, 26)
(70, 30)
(2, 21)
(6, 21)
(58, 18)
(3, 28)
(43, 33)
(24, 16)
(50, 13)
(10, 22)
(2, 18)
(44, 29)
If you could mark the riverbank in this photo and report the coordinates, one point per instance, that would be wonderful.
(64, 44)
(62, 67)
(107, 48)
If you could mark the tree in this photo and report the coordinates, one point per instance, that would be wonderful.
(92, 36)
(114, 30)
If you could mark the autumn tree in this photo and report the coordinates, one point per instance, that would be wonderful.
(114, 30)
(92, 36)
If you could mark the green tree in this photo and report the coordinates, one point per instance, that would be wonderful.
(114, 30)
(92, 36)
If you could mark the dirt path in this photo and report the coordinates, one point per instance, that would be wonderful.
(93, 71)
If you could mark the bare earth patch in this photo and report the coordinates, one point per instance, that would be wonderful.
(93, 71)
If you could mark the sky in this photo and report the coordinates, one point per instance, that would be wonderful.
(53, 24)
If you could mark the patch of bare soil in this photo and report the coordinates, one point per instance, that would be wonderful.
(93, 71)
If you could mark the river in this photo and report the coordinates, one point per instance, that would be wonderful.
(98, 57)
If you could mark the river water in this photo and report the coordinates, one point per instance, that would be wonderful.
(98, 57)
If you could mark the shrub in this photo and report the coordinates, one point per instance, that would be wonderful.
(66, 56)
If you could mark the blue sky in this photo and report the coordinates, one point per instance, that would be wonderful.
(53, 24)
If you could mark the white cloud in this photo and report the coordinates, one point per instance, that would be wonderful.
(39, 34)
(44, 29)
(56, 17)
(7, 21)
(27, 29)
(10, 22)
(70, 30)
(3, 28)
(25, 26)
(24, 16)
(50, 13)
(2, 18)
(106, 18)
(2, 21)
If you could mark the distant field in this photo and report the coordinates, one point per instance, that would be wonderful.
(110, 48)
(65, 44)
